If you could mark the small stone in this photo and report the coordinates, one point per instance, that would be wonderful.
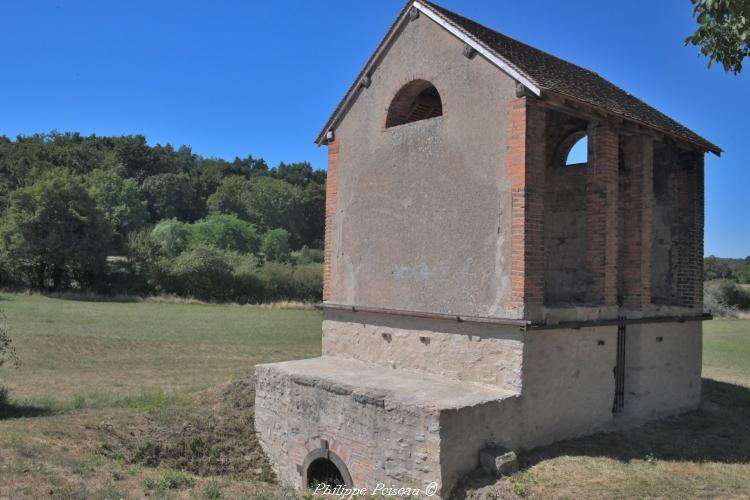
(498, 461)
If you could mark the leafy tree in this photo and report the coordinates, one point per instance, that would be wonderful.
(273, 203)
(299, 174)
(312, 210)
(716, 268)
(53, 233)
(172, 196)
(276, 245)
(226, 232)
(121, 201)
(723, 32)
(266, 202)
(231, 197)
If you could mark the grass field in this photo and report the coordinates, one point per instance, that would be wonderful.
(151, 399)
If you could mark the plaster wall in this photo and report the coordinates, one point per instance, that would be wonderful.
(416, 202)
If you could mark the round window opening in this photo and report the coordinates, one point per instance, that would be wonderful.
(324, 471)
(417, 100)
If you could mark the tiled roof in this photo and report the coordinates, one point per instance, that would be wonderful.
(553, 74)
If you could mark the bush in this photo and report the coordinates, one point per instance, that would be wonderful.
(725, 298)
(307, 282)
(307, 255)
(226, 232)
(202, 272)
(277, 279)
(276, 245)
(171, 237)
(248, 285)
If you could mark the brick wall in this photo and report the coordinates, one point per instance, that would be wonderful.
(331, 192)
(525, 166)
(689, 275)
(636, 195)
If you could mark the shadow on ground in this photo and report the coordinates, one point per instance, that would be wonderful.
(719, 431)
(11, 410)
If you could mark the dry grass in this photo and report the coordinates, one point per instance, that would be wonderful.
(159, 299)
(124, 400)
(128, 400)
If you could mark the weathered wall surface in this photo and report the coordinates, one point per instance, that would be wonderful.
(376, 443)
(568, 378)
(677, 258)
(565, 240)
(422, 209)
(663, 369)
(471, 352)
(568, 383)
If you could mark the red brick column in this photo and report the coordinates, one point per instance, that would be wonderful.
(331, 190)
(636, 212)
(689, 250)
(525, 167)
(601, 213)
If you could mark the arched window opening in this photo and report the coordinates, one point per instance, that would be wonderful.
(324, 471)
(417, 100)
(578, 154)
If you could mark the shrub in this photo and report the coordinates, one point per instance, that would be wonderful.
(248, 285)
(171, 237)
(226, 232)
(307, 255)
(203, 272)
(277, 279)
(276, 245)
(725, 298)
(307, 282)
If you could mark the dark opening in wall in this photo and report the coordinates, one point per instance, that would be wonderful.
(417, 100)
(324, 471)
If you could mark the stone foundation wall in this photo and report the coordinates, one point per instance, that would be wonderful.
(471, 352)
(568, 378)
(375, 443)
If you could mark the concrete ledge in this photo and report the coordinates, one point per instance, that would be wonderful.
(385, 387)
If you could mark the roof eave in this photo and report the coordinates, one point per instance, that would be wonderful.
(704, 144)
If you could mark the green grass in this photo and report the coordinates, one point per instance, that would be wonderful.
(127, 366)
(726, 350)
(95, 354)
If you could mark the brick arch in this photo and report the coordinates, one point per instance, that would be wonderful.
(326, 454)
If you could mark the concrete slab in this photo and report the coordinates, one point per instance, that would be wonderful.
(388, 387)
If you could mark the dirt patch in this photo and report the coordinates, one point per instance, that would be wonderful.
(213, 436)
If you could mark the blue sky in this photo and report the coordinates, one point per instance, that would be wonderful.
(232, 78)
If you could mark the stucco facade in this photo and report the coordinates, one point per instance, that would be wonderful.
(478, 290)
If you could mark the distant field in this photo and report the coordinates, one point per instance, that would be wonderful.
(111, 396)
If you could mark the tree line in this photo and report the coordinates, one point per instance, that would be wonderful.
(116, 215)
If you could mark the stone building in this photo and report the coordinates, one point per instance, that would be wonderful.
(480, 290)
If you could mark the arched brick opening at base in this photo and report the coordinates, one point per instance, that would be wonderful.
(323, 466)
